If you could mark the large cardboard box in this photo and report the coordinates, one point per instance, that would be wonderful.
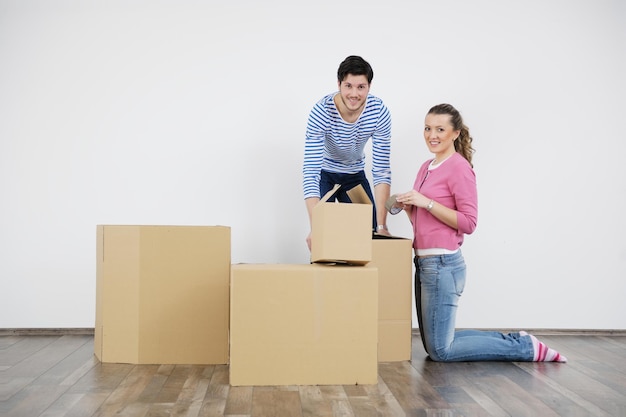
(393, 257)
(162, 294)
(303, 325)
(342, 232)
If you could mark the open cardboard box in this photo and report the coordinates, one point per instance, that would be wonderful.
(342, 232)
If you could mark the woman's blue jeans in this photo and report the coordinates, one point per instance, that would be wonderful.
(439, 283)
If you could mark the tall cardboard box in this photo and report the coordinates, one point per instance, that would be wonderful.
(393, 256)
(303, 325)
(162, 294)
(342, 232)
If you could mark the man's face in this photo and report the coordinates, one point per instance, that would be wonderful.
(353, 90)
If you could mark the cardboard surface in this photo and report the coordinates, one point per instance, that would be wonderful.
(394, 340)
(394, 259)
(162, 294)
(303, 325)
(342, 232)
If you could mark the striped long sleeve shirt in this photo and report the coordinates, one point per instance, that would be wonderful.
(337, 146)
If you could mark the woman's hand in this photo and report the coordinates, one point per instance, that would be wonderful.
(413, 198)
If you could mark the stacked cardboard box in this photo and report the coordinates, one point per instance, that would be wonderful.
(343, 233)
(307, 324)
(315, 323)
(393, 257)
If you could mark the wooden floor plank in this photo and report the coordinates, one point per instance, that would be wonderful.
(272, 402)
(571, 379)
(338, 400)
(174, 384)
(87, 405)
(197, 400)
(563, 397)
(47, 356)
(60, 407)
(383, 399)
(34, 400)
(486, 406)
(405, 380)
(604, 373)
(512, 398)
(578, 349)
(239, 401)
(78, 362)
(28, 374)
(104, 377)
(214, 402)
(451, 381)
(11, 386)
(193, 391)
(16, 351)
(151, 391)
(360, 402)
(123, 399)
(6, 342)
(314, 403)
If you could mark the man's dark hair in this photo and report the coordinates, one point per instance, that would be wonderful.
(355, 65)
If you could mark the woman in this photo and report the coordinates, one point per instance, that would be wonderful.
(442, 207)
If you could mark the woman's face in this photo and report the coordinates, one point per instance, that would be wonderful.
(440, 134)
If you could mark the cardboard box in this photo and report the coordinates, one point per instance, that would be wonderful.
(394, 340)
(342, 232)
(162, 294)
(303, 325)
(394, 259)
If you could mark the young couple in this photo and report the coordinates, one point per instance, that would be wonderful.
(442, 207)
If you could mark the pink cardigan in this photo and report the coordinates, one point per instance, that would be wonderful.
(452, 184)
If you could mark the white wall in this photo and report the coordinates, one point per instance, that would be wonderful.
(193, 113)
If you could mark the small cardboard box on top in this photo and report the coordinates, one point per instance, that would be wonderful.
(393, 257)
(342, 232)
(162, 294)
(312, 324)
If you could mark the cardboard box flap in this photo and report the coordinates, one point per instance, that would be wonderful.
(330, 193)
(357, 195)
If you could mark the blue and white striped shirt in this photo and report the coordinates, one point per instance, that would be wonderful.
(334, 145)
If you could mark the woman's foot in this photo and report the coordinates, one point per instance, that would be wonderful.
(542, 352)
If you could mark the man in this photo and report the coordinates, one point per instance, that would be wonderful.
(339, 126)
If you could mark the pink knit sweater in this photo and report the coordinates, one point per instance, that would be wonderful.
(452, 184)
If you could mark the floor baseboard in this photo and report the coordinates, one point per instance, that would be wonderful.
(48, 331)
(89, 331)
(558, 332)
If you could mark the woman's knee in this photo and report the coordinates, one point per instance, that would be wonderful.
(439, 355)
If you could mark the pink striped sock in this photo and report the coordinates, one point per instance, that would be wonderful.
(542, 352)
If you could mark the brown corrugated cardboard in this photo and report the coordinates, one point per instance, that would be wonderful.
(303, 324)
(394, 340)
(394, 259)
(342, 232)
(162, 294)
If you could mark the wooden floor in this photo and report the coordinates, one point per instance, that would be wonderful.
(59, 376)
